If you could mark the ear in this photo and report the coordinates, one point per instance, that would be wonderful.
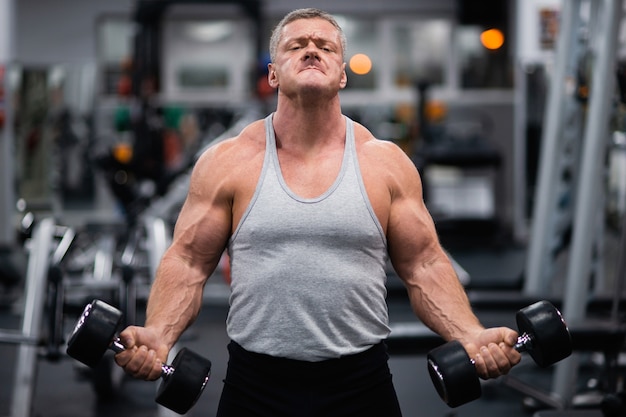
(272, 79)
(344, 77)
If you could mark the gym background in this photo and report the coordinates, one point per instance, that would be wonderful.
(512, 110)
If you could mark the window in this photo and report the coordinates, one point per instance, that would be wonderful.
(363, 41)
(115, 38)
(420, 51)
(481, 67)
(205, 59)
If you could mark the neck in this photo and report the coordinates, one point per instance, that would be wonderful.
(308, 125)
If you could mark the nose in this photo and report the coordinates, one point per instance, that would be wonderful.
(311, 52)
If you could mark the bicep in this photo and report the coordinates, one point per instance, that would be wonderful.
(395, 190)
(204, 222)
(412, 237)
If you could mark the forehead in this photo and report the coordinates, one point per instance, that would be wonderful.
(310, 28)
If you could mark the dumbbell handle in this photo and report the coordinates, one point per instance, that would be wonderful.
(524, 343)
(117, 347)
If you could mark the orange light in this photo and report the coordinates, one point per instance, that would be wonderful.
(122, 152)
(360, 64)
(492, 39)
(435, 111)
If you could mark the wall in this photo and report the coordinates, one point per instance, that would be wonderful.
(529, 28)
(61, 31)
(364, 6)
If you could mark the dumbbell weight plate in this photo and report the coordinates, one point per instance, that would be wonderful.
(180, 390)
(94, 332)
(453, 374)
(550, 337)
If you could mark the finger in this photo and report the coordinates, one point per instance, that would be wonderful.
(490, 362)
(127, 338)
(134, 365)
(156, 370)
(146, 367)
(125, 356)
(512, 355)
(502, 362)
(510, 338)
(481, 366)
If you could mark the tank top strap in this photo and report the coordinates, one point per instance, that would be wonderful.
(272, 164)
(270, 140)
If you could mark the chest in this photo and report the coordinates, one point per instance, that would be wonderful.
(310, 180)
(341, 217)
(310, 176)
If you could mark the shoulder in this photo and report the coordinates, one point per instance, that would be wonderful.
(250, 139)
(230, 153)
(369, 145)
(384, 158)
(233, 158)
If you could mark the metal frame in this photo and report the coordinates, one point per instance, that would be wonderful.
(595, 143)
(36, 277)
(538, 267)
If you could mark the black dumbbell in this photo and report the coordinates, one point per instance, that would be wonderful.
(544, 335)
(95, 332)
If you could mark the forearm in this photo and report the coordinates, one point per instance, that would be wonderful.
(175, 298)
(440, 301)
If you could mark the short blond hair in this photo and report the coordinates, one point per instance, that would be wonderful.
(308, 13)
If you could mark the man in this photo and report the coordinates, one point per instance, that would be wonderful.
(309, 206)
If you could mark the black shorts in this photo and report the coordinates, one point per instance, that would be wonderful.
(265, 386)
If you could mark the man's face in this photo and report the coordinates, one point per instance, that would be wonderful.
(309, 59)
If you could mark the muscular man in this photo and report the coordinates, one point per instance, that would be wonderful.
(309, 206)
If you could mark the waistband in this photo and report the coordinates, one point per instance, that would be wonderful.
(372, 358)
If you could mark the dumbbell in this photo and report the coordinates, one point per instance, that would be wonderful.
(543, 334)
(182, 382)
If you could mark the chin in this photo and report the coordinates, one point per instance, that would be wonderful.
(317, 91)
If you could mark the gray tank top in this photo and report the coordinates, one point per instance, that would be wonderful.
(308, 274)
